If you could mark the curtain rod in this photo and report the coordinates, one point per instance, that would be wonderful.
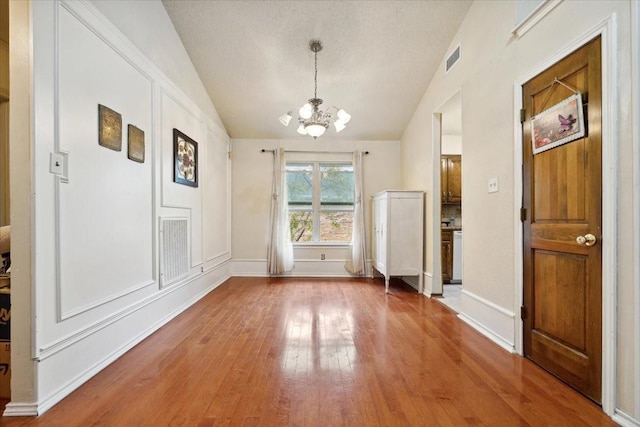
(313, 152)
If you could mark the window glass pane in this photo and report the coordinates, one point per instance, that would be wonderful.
(336, 226)
(301, 225)
(336, 186)
(300, 184)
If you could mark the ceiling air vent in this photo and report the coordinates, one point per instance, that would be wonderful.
(452, 59)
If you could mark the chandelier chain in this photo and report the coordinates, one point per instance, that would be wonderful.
(315, 77)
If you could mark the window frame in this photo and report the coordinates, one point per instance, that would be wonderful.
(316, 200)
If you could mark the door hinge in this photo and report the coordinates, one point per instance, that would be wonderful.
(523, 312)
(523, 214)
(523, 115)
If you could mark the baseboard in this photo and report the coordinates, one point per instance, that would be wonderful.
(412, 281)
(63, 391)
(624, 419)
(488, 318)
(428, 285)
(302, 268)
(20, 410)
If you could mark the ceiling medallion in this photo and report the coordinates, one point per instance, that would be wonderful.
(313, 121)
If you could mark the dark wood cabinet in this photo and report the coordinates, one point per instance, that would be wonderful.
(451, 179)
(447, 255)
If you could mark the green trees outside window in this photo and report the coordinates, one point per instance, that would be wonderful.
(321, 197)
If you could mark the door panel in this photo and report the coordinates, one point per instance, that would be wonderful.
(563, 196)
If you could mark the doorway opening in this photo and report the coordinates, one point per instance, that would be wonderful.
(450, 219)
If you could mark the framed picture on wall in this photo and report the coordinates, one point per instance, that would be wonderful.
(185, 158)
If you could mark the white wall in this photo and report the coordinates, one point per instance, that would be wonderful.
(96, 228)
(491, 65)
(451, 144)
(252, 180)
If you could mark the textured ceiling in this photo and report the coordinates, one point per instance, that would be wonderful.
(254, 59)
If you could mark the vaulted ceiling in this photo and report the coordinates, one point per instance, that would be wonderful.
(378, 58)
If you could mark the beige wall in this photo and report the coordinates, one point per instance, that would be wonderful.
(251, 182)
(22, 365)
(492, 62)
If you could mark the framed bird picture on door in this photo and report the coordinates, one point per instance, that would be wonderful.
(557, 125)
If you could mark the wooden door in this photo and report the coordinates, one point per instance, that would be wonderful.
(562, 196)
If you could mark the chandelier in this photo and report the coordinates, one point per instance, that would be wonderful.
(313, 121)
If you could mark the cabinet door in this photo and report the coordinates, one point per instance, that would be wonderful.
(380, 231)
(444, 163)
(405, 235)
(454, 179)
(447, 256)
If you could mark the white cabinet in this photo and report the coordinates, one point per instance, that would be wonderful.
(398, 221)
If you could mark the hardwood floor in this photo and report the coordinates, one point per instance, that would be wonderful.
(270, 352)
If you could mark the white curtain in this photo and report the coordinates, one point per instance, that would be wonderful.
(356, 261)
(280, 256)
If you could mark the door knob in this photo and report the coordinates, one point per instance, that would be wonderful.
(587, 240)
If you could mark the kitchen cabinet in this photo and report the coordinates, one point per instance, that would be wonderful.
(451, 179)
(398, 221)
(447, 255)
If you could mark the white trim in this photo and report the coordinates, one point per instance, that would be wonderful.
(52, 348)
(497, 322)
(95, 304)
(72, 385)
(635, 126)
(534, 17)
(129, 55)
(20, 410)
(303, 268)
(435, 284)
(517, 224)
(607, 30)
(410, 280)
(624, 419)
(428, 283)
(435, 287)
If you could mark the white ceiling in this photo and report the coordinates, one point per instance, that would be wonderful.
(378, 58)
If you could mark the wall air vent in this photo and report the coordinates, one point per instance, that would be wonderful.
(452, 59)
(174, 250)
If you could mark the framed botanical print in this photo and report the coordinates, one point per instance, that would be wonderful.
(185, 158)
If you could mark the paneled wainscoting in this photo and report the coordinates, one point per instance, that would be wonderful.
(330, 352)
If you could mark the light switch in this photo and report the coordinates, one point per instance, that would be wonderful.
(493, 185)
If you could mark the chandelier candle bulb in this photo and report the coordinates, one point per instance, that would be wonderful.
(286, 118)
(313, 121)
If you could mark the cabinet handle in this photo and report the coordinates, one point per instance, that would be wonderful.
(450, 194)
(444, 195)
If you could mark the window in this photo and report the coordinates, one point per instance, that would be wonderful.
(320, 201)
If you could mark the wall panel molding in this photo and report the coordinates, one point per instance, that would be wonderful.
(65, 389)
(129, 56)
(63, 343)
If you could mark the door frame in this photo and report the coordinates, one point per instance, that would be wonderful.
(635, 107)
(606, 29)
(434, 286)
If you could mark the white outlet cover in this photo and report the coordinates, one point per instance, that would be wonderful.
(493, 185)
(56, 163)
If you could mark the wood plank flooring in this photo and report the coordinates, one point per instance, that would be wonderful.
(315, 352)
